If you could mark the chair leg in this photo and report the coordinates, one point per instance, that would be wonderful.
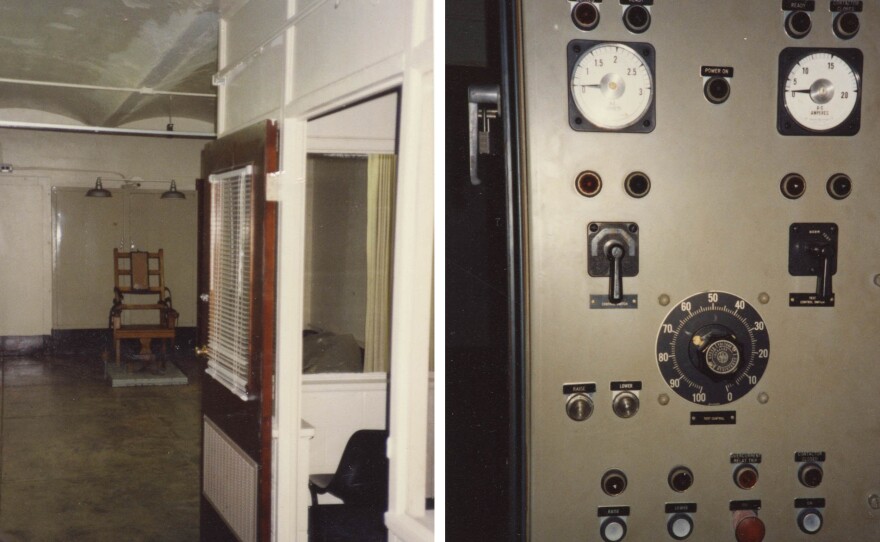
(117, 352)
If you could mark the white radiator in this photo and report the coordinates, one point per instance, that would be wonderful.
(230, 482)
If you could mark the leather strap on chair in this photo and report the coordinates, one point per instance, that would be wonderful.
(140, 271)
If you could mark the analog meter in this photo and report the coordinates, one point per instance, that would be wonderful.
(819, 91)
(611, 86)
(712, 348)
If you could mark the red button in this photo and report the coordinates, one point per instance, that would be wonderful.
(749, 528)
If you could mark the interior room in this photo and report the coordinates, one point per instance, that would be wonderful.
(110, 114)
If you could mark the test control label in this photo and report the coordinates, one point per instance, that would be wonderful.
(718, 417)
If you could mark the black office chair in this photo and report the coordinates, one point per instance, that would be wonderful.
(361, 482)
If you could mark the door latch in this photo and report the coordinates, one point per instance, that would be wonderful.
(483, 108)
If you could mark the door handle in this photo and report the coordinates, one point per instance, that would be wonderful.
(480, 95)
(201, 351)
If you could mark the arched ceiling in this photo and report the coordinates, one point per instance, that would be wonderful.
(168, 45)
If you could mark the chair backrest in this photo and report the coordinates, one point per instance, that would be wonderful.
(362, 475)
(139, 272)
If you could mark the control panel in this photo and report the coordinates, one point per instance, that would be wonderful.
(702, 185)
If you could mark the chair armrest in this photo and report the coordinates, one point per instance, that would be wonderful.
(115, 317)
(318, 485)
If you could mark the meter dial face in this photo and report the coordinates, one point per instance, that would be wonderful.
(611, 86)
(820, 92)
(712, 348)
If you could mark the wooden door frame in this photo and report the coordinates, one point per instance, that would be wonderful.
(256, 145)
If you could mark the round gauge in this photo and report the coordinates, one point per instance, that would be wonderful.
(712, 348)
(821, 91)
(611, 85)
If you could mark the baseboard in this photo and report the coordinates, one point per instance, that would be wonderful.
(65, 342)
(23, 345)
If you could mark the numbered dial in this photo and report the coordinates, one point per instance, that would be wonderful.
(821, 92)
(611, 85)
(713, 348)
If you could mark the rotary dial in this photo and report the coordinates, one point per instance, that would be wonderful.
(713, 348)
(612, 86)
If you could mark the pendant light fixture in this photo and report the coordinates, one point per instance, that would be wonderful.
(172, 192)
(99, 191)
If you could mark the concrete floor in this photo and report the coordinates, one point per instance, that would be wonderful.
(80, 460)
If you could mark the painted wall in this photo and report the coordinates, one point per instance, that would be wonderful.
(42, 160)
(336, 246)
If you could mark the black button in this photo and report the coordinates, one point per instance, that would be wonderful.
(846, 25)
(798, 24)
(585, 15)
(637, 19)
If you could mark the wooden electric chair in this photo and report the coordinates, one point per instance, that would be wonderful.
(141, 274)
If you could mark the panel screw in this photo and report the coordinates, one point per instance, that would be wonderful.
(874, 501)
(633, 228)
(664, 299)
(594, 228)
(663, 399)
(763, 298)
(763, 397)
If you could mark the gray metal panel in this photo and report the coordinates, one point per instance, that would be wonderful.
(714, 220)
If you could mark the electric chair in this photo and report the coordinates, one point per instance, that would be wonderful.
(139, 275)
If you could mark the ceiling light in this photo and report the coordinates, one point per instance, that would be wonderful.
(172, 193)
(99, 191)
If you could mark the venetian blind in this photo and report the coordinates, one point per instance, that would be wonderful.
(229, 314)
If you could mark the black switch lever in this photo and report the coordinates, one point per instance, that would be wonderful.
(615, 253)
(812, 251)
(824, 253)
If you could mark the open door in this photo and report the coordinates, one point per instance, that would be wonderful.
(236, 333)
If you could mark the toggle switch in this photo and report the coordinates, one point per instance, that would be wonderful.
(613, 253)
(812, 251)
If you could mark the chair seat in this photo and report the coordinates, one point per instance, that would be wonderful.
(346, 523)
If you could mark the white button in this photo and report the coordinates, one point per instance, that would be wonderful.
(811, 522)
(614, 531)
(681, 528)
